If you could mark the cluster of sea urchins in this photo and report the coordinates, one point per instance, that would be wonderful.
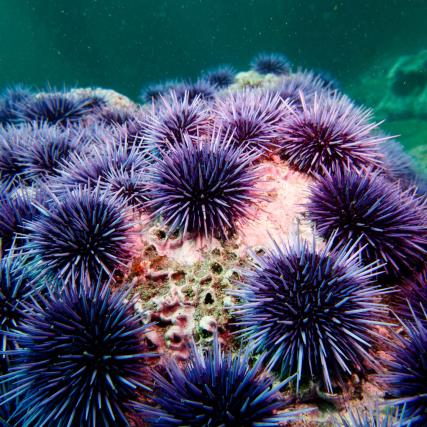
(78, 171)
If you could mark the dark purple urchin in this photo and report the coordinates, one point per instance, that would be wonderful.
(413, 291)
(271, 63)
(217, 389)
(85, 231)
(391, 223)
(305, 82)
(155, 91)
(406, 376)
(202, 188)
(11, 100)
(329, 133)
(16, 290)
(254, 117)
(80, 359)
(16, 208)
(55, 108)
(220, 77)
(175, 118)
(12, 142)
(48, 147)
(312, 311)
(201, 88)
(113, 116)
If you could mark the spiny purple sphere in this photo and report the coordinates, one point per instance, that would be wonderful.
(254, 117)
(271, 63)
(220, 77)
(390, 223)
(329, 133)
(16, 208)
(216, 389)
(204, 188)
(312, 311)
(175, 118)
(55, 108)
(84, 232)
(48, 148)
(406, 377)
(80, 360)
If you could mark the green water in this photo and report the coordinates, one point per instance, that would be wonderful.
(124, 44)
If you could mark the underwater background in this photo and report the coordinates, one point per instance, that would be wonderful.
(125, 45)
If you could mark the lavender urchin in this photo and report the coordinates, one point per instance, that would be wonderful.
(48, 147)
(313, 311)
(374, 417)
(83, 232)
(305, 82)
(175, 118)
(106, 156)
(55, 108)
(16, 208)
(391, 223)
(254, 117)
(406, 377)
(271, 63)
(114, 116)
(127, 183)
(80, 359)
(329, 133)
(202, 188)
(217, 389)
(220, 77)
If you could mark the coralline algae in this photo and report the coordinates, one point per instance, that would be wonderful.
(187, 263)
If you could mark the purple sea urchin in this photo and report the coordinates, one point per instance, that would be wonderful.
(311, 310)
(47, 148)
(329, 133)
(201, 88)
(202, 188)
(176, 118)
(220, 77)
(11, 101)
(12, 142)
(390, 222)
(254, 117)
(305, 82)
(271, 63)
(406, 378)
(83, 232)
(217, 389)
(414, 291)
(361, 417)
(55, 108)
(155, 91)
(15, 209)
(80, 359)
(15, 291)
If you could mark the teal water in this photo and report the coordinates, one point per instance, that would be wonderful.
(126, 44)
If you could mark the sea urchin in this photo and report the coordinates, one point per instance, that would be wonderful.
(204, 188)
(80, 359)
(311, 310)
(216, 389)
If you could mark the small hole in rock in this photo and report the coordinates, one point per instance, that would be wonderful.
(216, 268)
(209, 299)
